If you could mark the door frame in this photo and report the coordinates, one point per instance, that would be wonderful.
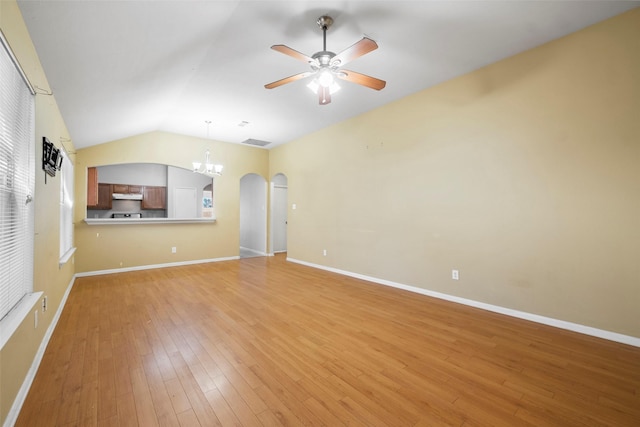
(272, 186)
(259, 219)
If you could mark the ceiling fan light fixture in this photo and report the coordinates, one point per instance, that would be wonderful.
(325, 78)
(314, 86)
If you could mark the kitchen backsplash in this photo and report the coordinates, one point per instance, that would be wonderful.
(126, 206)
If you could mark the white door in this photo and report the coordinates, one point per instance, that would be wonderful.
(185, 203)
(279, 219)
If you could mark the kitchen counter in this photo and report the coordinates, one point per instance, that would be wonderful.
(123, 221)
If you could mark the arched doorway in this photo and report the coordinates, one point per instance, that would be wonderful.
(279, 188)
(253, 216)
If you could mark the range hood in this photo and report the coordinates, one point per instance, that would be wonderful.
(123, 196)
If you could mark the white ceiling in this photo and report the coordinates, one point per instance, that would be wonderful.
(122, 68)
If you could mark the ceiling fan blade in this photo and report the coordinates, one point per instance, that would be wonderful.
(288, 79)
(361, 79)
(354, 51)
(324, 95)
(293, 53)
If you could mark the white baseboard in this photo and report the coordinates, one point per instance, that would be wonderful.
(575, 327)
(149, 267)
(12, 416)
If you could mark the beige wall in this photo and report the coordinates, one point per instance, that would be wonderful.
(523, 175)
(140, 245)
(18, 354)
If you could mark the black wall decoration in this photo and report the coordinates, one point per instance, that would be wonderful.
(51, 157)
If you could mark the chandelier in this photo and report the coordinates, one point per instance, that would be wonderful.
(208, 168)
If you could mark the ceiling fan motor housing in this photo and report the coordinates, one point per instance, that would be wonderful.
(324, 58)
(325, 22)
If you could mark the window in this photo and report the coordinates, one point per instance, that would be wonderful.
(17, 172)
(66, 208)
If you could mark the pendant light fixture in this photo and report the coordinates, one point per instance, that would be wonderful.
(209, 168)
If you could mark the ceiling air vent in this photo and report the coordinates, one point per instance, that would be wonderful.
(256, 142)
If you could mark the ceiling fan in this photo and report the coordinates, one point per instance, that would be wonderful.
(326, 65)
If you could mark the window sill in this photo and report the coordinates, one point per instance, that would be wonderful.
(123, 221)
(11, 322)
(66, 257)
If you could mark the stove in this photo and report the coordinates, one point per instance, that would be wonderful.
(127, 215)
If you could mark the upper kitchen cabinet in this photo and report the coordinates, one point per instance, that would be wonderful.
(92, 187)
(127, 189)
(104, 196)
(154, 197)
(98, 195)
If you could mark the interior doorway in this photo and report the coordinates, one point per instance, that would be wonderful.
(253, 216)
(279, 220)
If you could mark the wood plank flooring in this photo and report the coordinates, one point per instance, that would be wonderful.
(263, 342)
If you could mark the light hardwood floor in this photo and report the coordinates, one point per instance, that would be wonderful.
(263, 342)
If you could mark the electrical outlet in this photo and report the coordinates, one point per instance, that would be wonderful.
(174, 249)
(44, 304)
(324, 252)
(455, 275)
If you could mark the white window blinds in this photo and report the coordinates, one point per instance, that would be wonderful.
(17, 171)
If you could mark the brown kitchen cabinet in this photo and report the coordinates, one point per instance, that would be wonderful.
(105, 192)
(121, 188)
(92, 187)
(127, 189)
(154, 197)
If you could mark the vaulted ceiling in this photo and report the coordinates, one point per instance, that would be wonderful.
(122, 68)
